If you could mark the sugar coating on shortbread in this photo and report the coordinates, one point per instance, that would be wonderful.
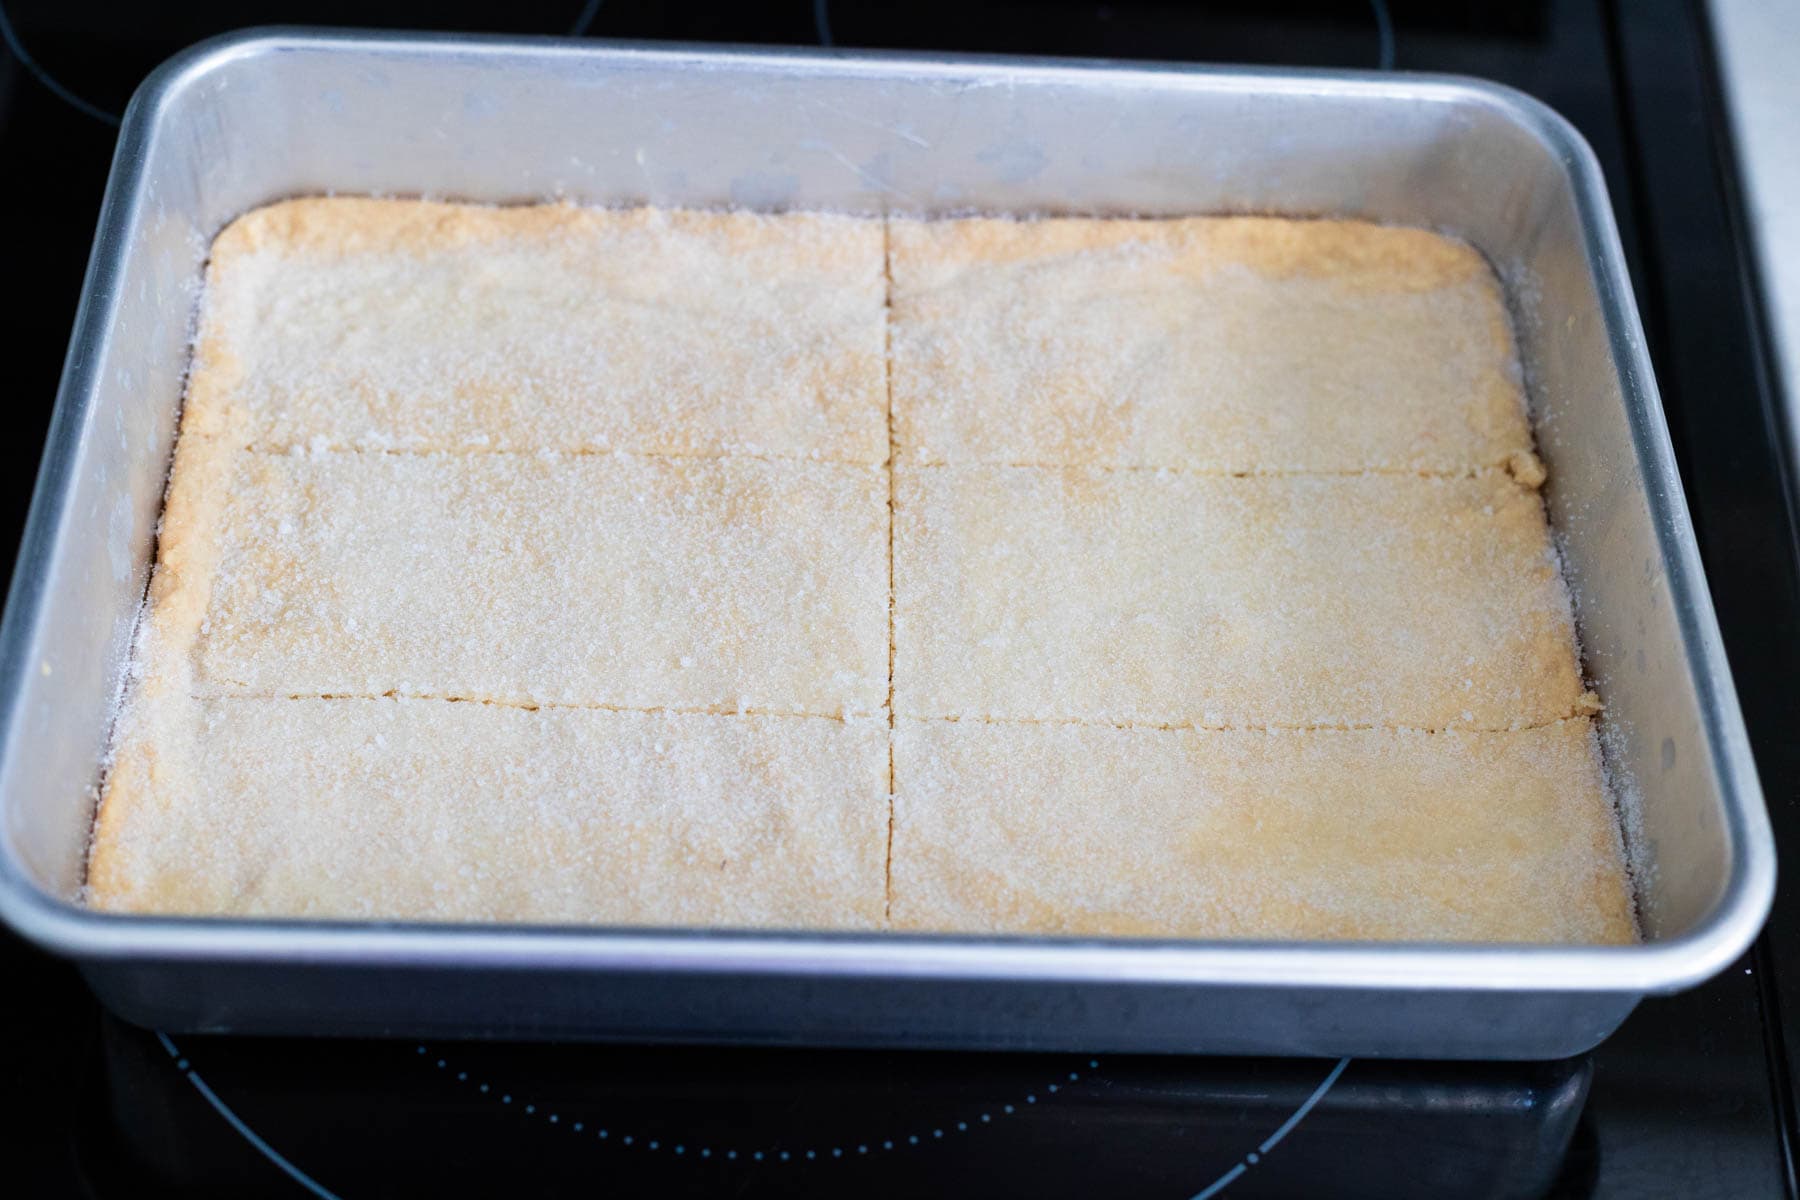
(1178, 578)
(1225, 344)
(424, 809)
(371, 324)
(1182, 598)
(1363, 833)
(724, 584)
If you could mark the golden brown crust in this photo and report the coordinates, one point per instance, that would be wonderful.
(1362, 253)
(351, 226)
(1378, 257)
(147, 745)
(189, 540)
(150, 779)
(129, 797)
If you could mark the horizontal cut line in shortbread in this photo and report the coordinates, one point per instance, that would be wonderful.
(435, 451)
(1585, 709)
(714, 710)
(1582, 710)
(1524, 469)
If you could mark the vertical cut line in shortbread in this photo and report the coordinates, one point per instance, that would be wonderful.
(887, 324)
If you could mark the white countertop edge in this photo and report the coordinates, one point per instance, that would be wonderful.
(1759, 58)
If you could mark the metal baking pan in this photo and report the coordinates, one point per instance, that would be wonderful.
(255, 117)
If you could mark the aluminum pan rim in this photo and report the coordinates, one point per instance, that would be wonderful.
(1651, 967)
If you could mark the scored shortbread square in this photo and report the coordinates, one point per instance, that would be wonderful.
(1363, 834)
(723, 584)
(430, 810)
(1215, 343)
(391, 324)
(1028, 593)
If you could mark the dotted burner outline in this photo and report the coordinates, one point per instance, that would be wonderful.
(680, 1149)
(860, 1147)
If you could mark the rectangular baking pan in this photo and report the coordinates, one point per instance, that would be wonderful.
(255, 117)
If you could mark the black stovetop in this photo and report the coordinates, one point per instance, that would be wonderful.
(1691, 1098)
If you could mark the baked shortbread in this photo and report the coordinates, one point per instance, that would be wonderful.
(1099, 577)
(1356, 833)
(1213, 343)
(436, 810)
(733, 584)
(415, 326)
(1180, 598)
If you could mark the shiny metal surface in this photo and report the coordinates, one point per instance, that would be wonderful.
(255, 117)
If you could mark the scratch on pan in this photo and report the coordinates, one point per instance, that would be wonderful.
(874, 181)
(906, 135)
